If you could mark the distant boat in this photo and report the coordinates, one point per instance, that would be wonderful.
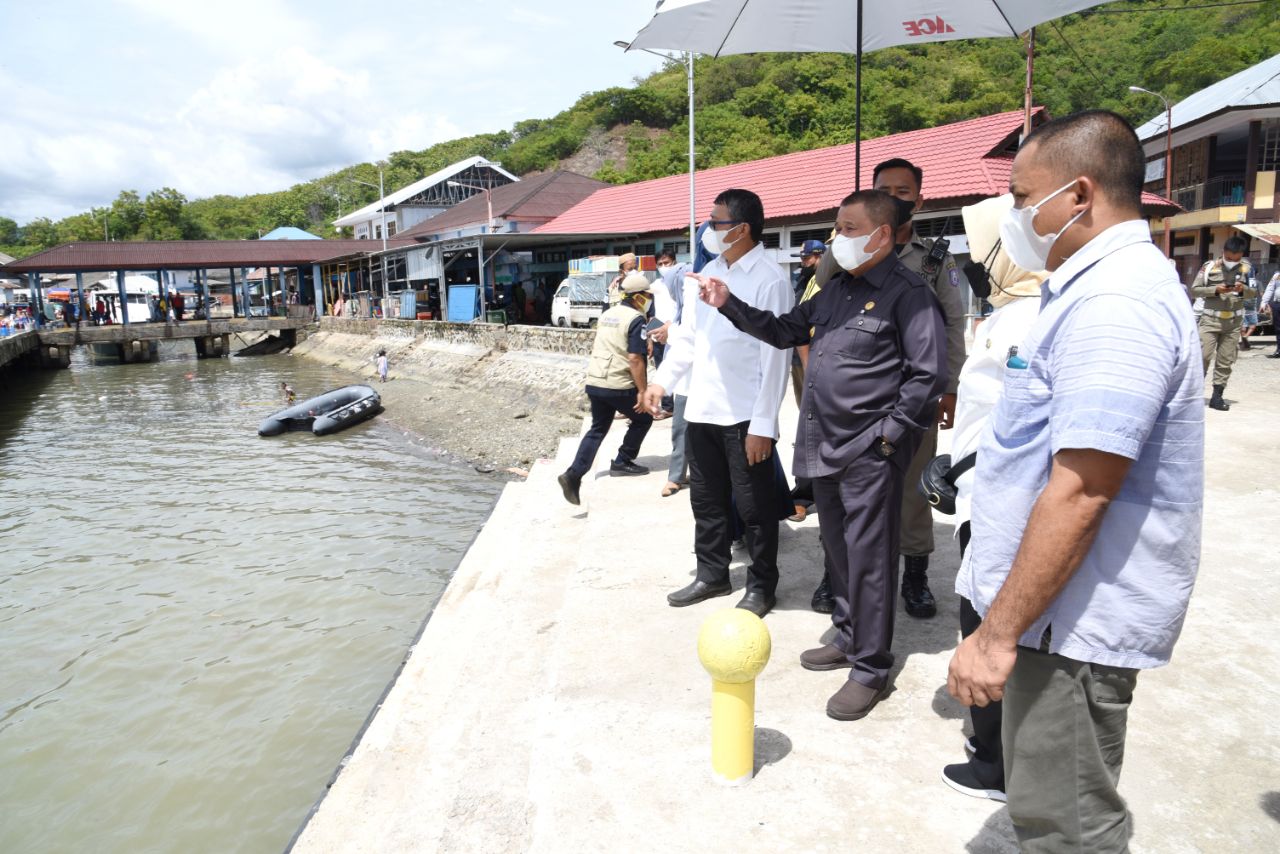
(328, 413)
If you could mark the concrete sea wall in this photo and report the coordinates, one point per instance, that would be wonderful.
(14, 347)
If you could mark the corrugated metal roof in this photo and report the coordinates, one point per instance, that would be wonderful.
(288, 232)
(1256, 86)
(961, 161)
(416, 187)
(192, 254)
(541, 197)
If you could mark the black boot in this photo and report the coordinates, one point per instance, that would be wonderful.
(915, 586)
(823, 602)
(1216, 402)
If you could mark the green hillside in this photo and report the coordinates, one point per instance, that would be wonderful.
(756, 106)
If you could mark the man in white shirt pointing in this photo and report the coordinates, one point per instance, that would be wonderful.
(736, 385)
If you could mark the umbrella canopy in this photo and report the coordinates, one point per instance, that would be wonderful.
(721, 27)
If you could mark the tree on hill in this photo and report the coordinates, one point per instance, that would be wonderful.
(766, 104)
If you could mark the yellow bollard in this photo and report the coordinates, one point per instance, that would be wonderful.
(734, 647)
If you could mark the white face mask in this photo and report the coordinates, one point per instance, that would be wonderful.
(1231, 265)
(1025, 246)
(851, 252)
(713, 241)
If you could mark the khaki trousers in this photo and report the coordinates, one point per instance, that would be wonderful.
(1220, 342)
(1063, 734)
(916, 537)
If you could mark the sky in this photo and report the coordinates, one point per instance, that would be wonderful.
(247, 96)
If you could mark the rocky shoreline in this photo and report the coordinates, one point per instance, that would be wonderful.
(499, 397)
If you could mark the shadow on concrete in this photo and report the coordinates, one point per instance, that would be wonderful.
(1270, 803)
(948, 707)
(771, 747)
(995, 837)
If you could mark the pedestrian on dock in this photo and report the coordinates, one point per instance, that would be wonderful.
(876, 370)
(736, 385)
(382, 365)
(617, 378)
(1089, 486)
(1014, 295)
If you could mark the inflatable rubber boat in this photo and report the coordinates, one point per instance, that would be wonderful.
(330, 412)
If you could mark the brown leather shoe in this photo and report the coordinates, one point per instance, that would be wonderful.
(853, 701)
(826, 657)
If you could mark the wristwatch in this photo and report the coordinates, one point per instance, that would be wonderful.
(885, 447)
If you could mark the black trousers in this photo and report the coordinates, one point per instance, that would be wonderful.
(605, 403)
(987, 762)
(719, 479)
(859, 511)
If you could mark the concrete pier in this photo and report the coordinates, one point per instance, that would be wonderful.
(14, 348)
(554, 702)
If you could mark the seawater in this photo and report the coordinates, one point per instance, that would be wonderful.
(195, 621)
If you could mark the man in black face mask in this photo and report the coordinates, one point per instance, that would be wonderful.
(929, 260)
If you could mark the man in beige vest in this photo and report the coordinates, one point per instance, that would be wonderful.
(616, 381)
(1224, 284)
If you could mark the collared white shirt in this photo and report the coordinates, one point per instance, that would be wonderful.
(981, 381)
(732, 377)
(664, 303)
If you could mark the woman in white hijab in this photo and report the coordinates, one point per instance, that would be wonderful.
(1015, 298)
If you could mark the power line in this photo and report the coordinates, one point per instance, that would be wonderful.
(1178, 8)
(1080, 58)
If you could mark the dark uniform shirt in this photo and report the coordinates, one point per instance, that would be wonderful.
(877, 362)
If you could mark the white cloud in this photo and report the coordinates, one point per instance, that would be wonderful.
(248, 96)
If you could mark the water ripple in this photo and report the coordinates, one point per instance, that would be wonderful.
(197, 620)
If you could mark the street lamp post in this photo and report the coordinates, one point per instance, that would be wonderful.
(488, 200)
(1168, 161)
(382, 210)
(693, 213)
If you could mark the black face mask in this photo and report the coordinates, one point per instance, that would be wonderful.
(980, 280)
(906, 210)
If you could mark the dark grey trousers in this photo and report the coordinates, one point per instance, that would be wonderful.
(858, 522)
(1063, 733)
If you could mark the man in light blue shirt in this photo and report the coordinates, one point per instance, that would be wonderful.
(1088, 488)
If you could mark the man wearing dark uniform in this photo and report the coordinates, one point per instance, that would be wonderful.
(1224, 284)
(903, 180)
(877, 366)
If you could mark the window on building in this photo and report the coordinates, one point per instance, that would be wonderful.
(646, 249)
(1269, 153)
(391, 229)
(771, 239)
(377, 232)
(799, 236)
(940, 226)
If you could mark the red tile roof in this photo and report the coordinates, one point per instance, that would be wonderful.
(962, 162)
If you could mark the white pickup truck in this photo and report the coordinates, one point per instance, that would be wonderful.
(580, 300)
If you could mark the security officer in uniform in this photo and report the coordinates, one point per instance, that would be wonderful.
(877, 365)
(617, 376)
(930, 260)
(1224, 284)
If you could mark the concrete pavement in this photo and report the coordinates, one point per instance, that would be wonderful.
(556, 703)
